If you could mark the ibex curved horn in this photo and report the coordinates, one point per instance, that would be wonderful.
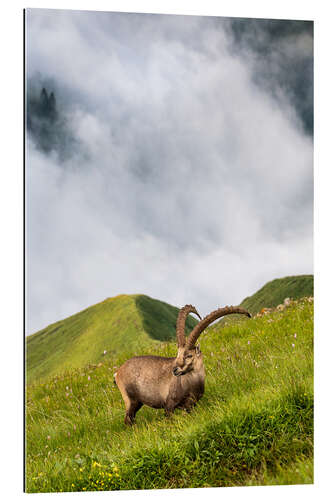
(207, 320)
(169, 383)
(181, 320)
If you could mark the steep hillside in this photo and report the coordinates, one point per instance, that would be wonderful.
(274, 292)
(159, 318)
(130, 323)
(253, 426)
(113, 325)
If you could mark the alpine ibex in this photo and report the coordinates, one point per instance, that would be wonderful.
(169, 383)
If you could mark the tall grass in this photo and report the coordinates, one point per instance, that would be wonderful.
(254, 424)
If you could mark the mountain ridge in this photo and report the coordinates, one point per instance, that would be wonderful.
(132, 323)
(105, 328)
(275, 291)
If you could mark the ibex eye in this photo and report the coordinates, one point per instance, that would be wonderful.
(189, 356)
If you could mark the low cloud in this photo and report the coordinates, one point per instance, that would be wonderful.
(47, 125)
(282, 57)
(183, 178)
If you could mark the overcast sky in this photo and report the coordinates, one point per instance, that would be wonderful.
(168, 155)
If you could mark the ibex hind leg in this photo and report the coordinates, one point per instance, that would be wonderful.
(131, 406)
(131, 412)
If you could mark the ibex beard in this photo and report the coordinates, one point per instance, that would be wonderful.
(169, 383)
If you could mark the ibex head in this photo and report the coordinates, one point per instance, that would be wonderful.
(189, 356)
(187, 360)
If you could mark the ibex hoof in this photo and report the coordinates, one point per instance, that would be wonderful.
(128, 420)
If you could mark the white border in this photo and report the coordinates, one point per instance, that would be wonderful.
(12, 223)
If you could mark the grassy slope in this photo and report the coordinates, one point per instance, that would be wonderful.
(253, 425)
(274, 292)
(112, 325)
(159, 318)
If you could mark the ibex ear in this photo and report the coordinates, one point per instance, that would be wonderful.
(197, 349)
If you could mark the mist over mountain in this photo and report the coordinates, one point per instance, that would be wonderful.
(47, 126)
(282, 54)
(169, 155)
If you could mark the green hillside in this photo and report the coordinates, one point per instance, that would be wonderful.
(159, 318)
(274, 292)
(130, 320)
(253, 426)
(112, 326)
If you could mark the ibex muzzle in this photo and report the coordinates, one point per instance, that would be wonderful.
(169, 383)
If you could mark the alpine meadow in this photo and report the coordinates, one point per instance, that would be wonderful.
(253, 426)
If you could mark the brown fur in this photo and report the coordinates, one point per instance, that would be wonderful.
(167, 383)
(150, 381)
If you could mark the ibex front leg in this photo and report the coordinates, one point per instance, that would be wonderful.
(189, 403)
(169, 410)
(174, 397)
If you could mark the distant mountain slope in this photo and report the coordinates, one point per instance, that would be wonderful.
(274, 292)
(113, 325)
(130, 322)
(159, 318)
